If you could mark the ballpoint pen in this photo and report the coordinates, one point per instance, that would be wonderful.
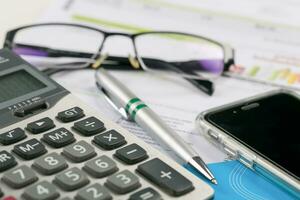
(132, 108)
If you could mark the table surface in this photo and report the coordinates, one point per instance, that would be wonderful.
(16, 13)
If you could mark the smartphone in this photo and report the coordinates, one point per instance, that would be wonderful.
(262, 132)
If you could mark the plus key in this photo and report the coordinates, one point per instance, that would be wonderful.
(165, 177)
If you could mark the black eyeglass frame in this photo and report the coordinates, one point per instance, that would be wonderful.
(228, 51)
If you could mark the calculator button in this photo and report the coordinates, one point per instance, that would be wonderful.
(19, 177)
(9, 198)
(50, 164)
(58, 138)
(30, 149)
(1, 193)
(146, 194)
(123, 182)
(89, 126)
(6, 161)
(110, 140)
(165, 177)
(79, 152)
(100, 167)
(131, 154)
(41, 125)
(12, 136)
(70, 115)
(41, 191)
(71, 179)
(93, 192)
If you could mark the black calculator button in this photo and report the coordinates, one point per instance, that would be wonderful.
(146, 194)
(110, 140)
(6, 161)
(70, 115)
(58, 138)
(12, 136)
(40, 126)
(165, 177)
(30, 149)
(89, 126)
(131, 154)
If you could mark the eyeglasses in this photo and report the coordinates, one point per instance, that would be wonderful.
(61, 46)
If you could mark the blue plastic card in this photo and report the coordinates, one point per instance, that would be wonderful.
(236, 181)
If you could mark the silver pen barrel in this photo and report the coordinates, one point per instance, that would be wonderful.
(132, 107)
(160, 132)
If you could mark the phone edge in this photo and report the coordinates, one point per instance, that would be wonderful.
(245, 155)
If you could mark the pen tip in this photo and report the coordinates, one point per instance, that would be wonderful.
(214, 181)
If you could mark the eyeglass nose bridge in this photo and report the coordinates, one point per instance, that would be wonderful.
(100, 58)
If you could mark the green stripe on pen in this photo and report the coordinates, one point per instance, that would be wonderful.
(133, 114)
(132, 101)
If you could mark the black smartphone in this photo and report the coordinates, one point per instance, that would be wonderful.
(264, 131)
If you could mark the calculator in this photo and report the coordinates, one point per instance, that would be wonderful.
(53, 146)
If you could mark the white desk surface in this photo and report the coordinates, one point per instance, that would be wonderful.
(14, 13)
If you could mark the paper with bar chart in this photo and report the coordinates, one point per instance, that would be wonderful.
(265, 38)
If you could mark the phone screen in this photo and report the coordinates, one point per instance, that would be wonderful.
(269, 126)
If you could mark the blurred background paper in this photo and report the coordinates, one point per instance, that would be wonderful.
(265, 34)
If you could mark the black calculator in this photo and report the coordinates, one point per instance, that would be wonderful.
(53, 146)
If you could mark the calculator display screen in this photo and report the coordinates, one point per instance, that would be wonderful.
(18, 83)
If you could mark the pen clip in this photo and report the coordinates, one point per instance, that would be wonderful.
(109, 99)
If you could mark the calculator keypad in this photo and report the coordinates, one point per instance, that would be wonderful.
(6, 161)
(165, 177)
(40, 126)
(71, 164)
(19, 177)
(70, 115)
(71, 179)
(41, 191)
(12, 136)
(100, 167)
(50, 164)
(93, 192)
(123, 182)
(110, 140)
(30, 149)
(146, 194)
(79, 152)
(89, 126)
(131, 154)
(59, 138)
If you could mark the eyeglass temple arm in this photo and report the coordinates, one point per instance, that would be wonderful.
(203, 84)
(33, 50)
